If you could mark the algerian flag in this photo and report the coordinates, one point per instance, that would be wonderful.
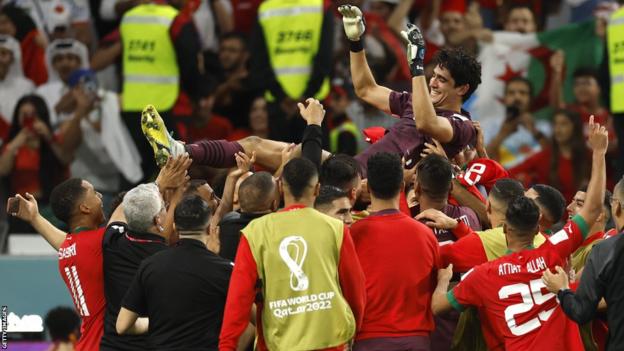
(514, 54)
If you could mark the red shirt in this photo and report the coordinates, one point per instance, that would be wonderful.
(81, 267)
(244, 286)
(536, 170)
(216, 129)
(399, 256)
(516, 301)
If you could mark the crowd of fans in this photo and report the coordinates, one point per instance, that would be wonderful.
(218, 172)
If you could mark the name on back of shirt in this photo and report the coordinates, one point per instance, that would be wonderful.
(533, 266)
(67, 252)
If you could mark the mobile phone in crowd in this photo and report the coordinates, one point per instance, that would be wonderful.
(13, 205)
(512, 112)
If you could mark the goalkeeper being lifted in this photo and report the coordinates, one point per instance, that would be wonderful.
(423, 116)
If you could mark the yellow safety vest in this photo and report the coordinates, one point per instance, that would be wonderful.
(292, 32)
(344, 127)
(150, 67)
(615, 41)
(297, 253)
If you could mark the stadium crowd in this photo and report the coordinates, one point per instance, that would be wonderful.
(320, 175)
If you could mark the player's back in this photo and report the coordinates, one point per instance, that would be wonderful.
(81, 267)
(520, 306)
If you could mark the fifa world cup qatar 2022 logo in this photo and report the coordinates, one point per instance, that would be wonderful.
(293, 250)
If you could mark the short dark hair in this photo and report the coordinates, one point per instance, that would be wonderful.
(256, 193)
(328, 194)
(192, 214)
(339, 170)
(464, 68)
(522, 215)
(65, 197)
(551, 199)
(297, 175)
(61, 323)
(194, 185)
(385, 175)
(506, 190)
(520, 79)
(434, 174)
(235, 35)
(586, 71)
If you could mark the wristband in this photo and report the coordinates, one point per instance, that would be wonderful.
(356, 46)
(562, 293)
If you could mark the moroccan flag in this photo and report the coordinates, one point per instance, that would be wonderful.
(514, 54)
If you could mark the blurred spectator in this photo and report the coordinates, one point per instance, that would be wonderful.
(344, 136)
(161, 48)
(521, 19)
(15, 22)
(211, 18)
(103, 147)
(63, 325)
(32, 159)
(74, 16)
(13, 85)
(234, 95)
(587, 93)
(258, 122)
(205, 124)
(564, 163)
(292, 64)
(518, 136)
(245, 12)
(63, 57)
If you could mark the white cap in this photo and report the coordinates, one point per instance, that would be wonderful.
(60, 16)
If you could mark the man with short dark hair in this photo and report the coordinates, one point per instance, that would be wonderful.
(182, 290)
(602, 278)
(399, 252)
(344, 172)
(76, 203)
(498, 287)
(432, 185)
(516, 135)
(334, 202)
(305, 267)
(551, 204)
(63, 326)
(257, 196)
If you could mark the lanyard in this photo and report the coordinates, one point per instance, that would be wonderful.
(141, 240)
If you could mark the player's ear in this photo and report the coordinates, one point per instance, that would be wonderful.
(352, 194)
(317, 189)
(84, 208)
(462, 89)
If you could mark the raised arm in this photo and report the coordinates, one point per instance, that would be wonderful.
(243, 165)
(425, 116)
(439, 302)
(28, 210)
(366, 88)
(599, 142)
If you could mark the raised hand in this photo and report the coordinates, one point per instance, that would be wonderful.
(243, 163)
(598, 137)
(353, 21)
(415, 49)
(23, 207)
(174, 173)
(314, 113)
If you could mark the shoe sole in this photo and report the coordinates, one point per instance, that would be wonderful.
(156, 134)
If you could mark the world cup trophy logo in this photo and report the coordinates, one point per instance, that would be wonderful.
(299, 248)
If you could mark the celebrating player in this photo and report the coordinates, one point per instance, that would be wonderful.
(516, 300)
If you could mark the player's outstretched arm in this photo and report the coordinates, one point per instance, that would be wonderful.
(439, 302)
(425, 116)
(366, 88)
(26, 209)
(598, 142)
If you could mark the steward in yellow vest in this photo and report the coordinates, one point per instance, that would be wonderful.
(615, 42)
(292, 49)
(301, 269)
